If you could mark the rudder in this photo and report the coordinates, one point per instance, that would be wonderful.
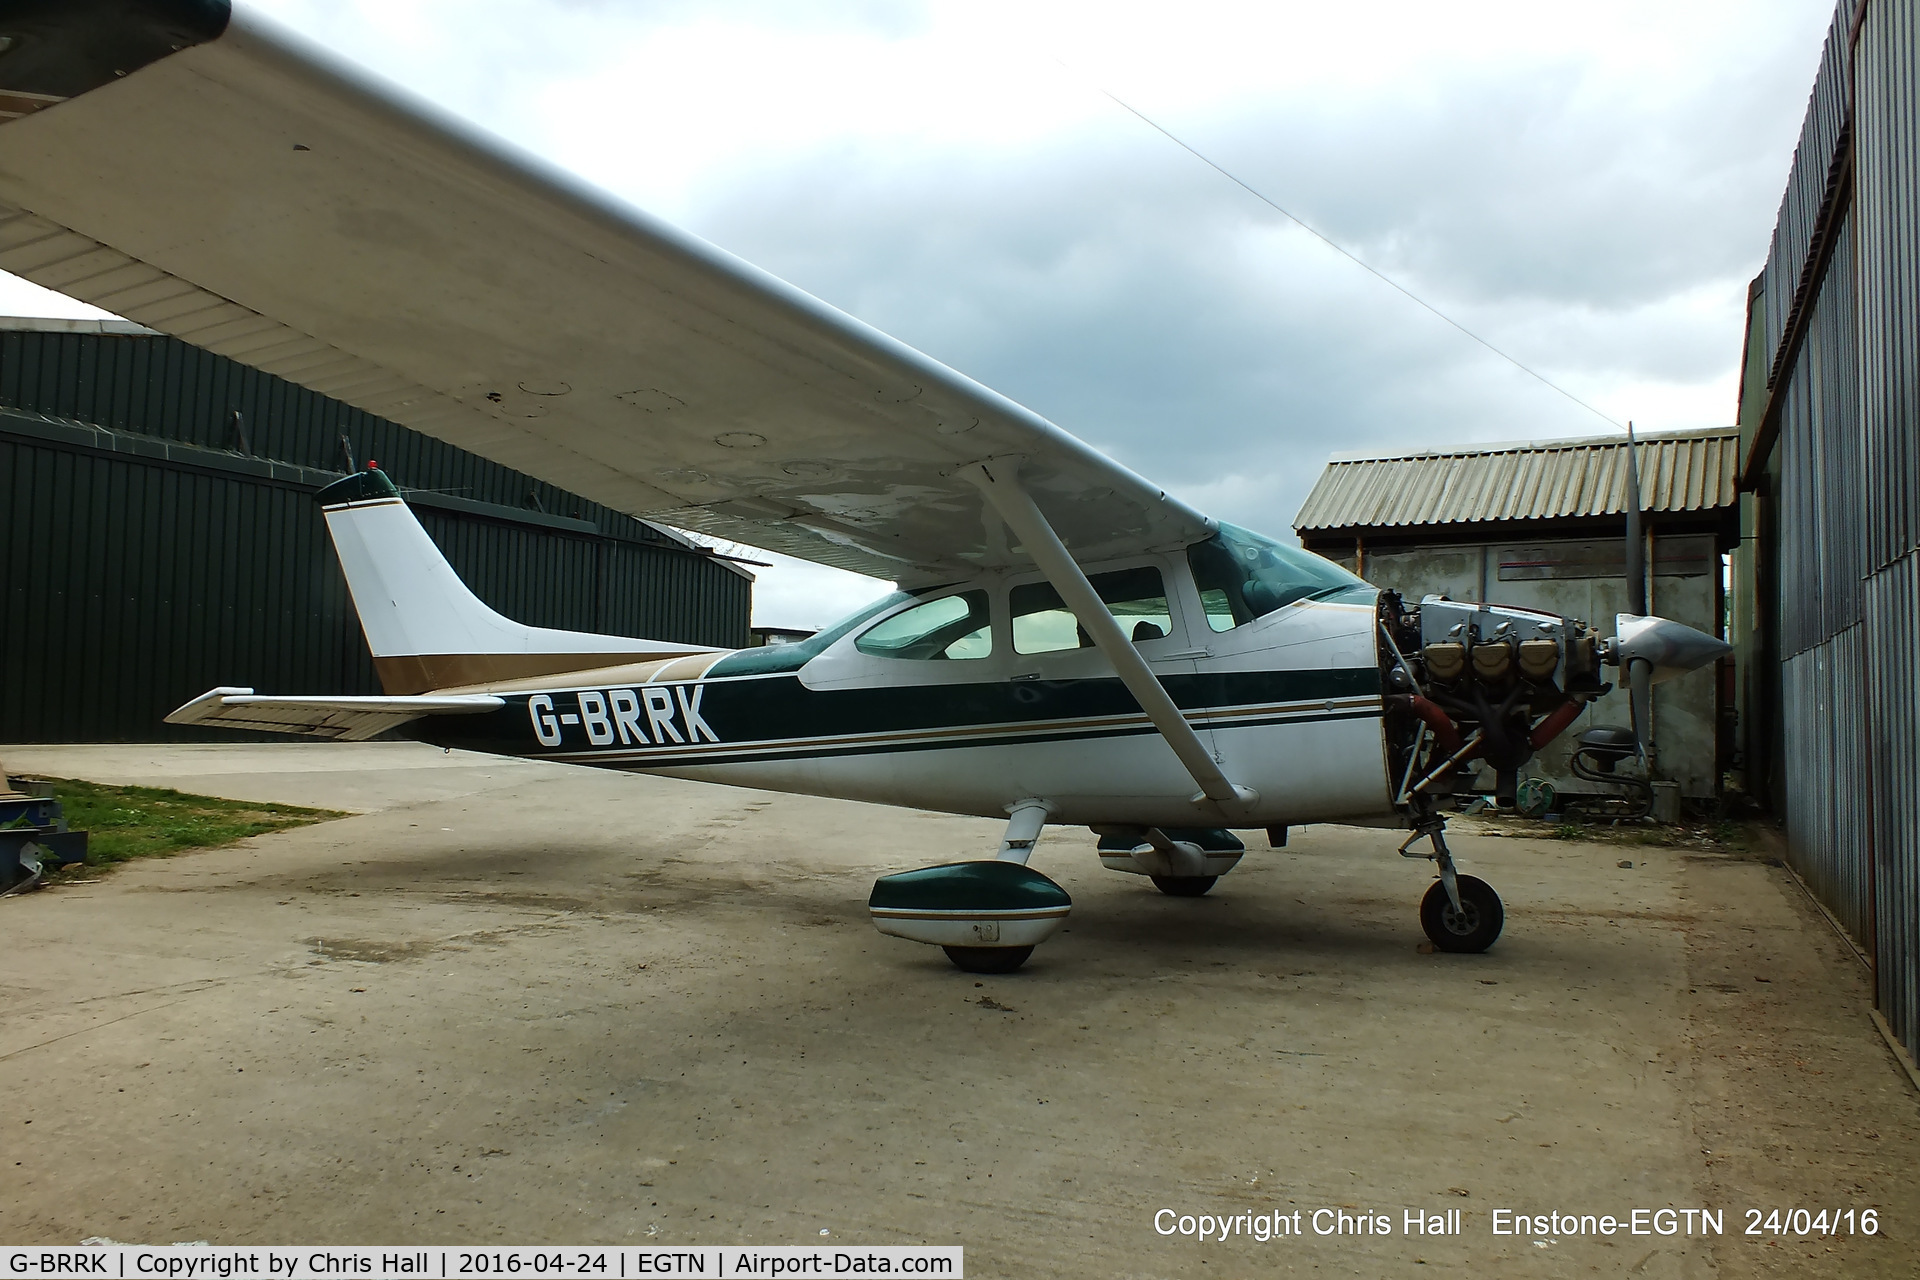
(425, 628)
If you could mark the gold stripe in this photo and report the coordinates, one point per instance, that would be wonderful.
(431, 672)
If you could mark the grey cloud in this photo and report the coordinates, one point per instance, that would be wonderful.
(1117, 286)
(1131, 316)
(1114, 284)
(1538, 186)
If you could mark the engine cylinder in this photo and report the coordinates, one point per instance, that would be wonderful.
(1446, 660)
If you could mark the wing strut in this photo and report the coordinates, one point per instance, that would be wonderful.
(999, 480)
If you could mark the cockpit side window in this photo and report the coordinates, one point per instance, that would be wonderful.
(1243, 576)
(1042, 623)
(956, 626)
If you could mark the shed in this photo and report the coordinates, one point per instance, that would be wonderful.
(1542, 524)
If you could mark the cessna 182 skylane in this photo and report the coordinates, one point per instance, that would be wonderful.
(1070, 643)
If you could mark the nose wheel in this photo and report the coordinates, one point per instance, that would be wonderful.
(1470, 927)
(1460, 913)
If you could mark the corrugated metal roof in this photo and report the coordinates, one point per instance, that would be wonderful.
(1534, 480)
(56, 324)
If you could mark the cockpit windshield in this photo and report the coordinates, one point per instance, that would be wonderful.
(791, 657)
(1243, 576)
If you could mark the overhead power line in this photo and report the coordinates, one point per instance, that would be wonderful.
(1339, 248)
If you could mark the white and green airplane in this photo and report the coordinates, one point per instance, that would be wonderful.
(1070, 643)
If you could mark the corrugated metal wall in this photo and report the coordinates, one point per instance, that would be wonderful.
(130, 588)
(1811, 179)
(1887, 207)
(1842, 308)
(1820, 466)
(134, 580)
(161, 387)
(1829, 818)
(1891, 642)
(1887, 195)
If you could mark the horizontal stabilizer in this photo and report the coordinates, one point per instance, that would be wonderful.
(342, 719)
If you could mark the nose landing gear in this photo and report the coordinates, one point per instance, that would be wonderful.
(1459, 913)
(1471, 926)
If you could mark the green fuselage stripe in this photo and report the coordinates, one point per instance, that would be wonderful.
(775, 717)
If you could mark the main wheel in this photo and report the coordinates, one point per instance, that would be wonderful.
(1470, 929)
(1184, 886)
(988, 959)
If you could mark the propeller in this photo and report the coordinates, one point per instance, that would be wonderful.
(1637, 671)
(1649, 650)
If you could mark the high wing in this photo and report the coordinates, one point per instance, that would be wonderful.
(208, 174)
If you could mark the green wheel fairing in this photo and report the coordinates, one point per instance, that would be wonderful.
(989, 885)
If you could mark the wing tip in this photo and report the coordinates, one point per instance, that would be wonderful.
(205, 705)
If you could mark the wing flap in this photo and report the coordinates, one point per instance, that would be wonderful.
(343, 719)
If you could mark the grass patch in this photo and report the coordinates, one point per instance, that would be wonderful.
(155, 822)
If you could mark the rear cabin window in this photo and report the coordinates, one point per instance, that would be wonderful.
(1243, 576)
(1042, 623)
(951, 627)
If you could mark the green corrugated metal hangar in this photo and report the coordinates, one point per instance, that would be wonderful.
(160, 536)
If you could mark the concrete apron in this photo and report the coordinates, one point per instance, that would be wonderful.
(522, 1004)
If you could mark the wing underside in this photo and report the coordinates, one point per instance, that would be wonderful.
(247, 194)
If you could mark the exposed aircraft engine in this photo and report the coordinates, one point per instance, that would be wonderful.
(1477, 682)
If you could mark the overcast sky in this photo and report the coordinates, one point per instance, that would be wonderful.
(1589, 187)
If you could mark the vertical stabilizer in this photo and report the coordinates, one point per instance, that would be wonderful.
(425, 628)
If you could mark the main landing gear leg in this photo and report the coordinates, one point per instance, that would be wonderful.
(1028, 820)
(987, 915)
(1459, 913)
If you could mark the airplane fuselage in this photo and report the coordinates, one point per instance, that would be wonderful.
(1289, 703)
(1161, 698)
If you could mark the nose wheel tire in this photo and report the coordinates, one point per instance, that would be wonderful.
(1184, 886)
(988, 959)
(1473, 927)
